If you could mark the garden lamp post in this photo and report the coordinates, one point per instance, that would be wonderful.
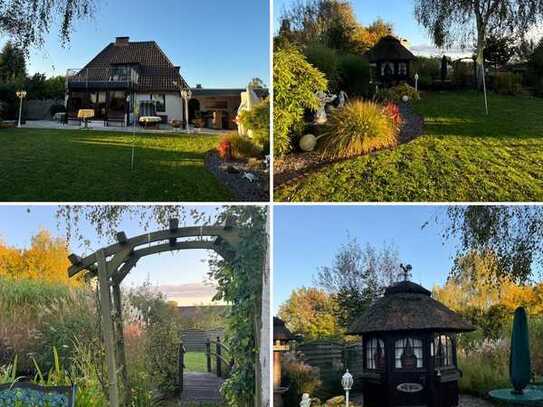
(186, 94)
(417, 82)
(347, 383)
(21, 94)
(306, 401)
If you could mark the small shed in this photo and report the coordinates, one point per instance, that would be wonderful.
(391, 60)
(409, 349)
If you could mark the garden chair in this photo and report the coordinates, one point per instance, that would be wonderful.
(30, 394)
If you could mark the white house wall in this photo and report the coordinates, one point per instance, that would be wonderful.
(173, 104)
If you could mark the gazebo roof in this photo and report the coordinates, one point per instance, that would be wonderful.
(407, 306)
(280, 331)
(389, 48)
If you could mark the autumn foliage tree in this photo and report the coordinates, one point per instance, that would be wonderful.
(311, 312)
(46, 259)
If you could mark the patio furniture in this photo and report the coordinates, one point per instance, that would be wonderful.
(113, 117)
(60, 117)
(35, 395)
(148, 116)
(85, 115)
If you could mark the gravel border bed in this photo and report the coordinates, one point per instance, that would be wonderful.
(242, 189)
(464, 401)
(296, 165)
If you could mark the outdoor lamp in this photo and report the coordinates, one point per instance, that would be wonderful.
(306, 401)
(21, 94)
(416, 81)
(186, 94)
(347, 383)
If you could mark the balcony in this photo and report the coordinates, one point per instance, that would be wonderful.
(115, 77)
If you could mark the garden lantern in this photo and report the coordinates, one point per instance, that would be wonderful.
(186, 94)
(417, 82)
(281, 338)
(21, 94)
(306, 400)
(409, 348)
(347, 383)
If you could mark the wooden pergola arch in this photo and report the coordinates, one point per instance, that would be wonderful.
(111, 264)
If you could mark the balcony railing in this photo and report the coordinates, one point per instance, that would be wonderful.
(116, 77)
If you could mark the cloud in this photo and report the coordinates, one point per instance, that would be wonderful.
(190, 293)
(428, 50)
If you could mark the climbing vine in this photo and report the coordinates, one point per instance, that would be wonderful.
(240, 284)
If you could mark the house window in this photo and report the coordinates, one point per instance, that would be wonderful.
(120, 73)
(441, 350)
(402, 69)
(375, 354)
(387, 69)
(160, 102)
(118, 101)
(408, 353)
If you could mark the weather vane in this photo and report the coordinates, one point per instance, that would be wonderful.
(406, 271)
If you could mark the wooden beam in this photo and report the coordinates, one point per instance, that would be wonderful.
(121, 237)
(121, 354)
(230, 235)
(107, 327)
(174, 224)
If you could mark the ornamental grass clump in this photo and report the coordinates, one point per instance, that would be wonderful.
(358, 128)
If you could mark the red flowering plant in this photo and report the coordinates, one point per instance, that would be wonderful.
(225, 149)
(393, 112)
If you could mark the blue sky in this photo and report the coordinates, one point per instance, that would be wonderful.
(307, 237)
(187, 268)
(217, 43)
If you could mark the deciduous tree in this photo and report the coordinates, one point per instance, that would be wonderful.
(463, 21)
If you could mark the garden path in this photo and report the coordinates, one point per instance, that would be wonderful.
(201, 387)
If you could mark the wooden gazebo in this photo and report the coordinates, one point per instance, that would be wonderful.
(390, 60)
(281, 338)
(409, 349)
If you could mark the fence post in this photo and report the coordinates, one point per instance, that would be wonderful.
(208, 354)
(219, 362)
(181, 365)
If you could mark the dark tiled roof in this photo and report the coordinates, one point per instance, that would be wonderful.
(156, 72)
(389, 48)
(407, 306)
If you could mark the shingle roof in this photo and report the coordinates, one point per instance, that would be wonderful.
(408, 306)
(156, 72)
(389, 48)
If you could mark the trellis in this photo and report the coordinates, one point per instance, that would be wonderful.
(111, 264)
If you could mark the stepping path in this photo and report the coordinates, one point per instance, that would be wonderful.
(201, 388)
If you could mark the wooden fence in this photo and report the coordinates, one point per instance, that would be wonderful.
(331, 359)
(195, 340)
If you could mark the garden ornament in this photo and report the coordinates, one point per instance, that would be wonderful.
(342, 98)
(405, 98)
(267, 161)
(249, 176)
(320, 116)
(306, 401)
(308, 142)
(417, 82)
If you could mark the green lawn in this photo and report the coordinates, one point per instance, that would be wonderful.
(76, 165)
(195, 362)
(463, 156)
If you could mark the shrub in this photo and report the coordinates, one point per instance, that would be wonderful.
(358, 128)
(429, 69)
(392, 110)
(296, 83)
(462, 74)
(326, 61)
(396, 94)
(235, 147)
(258, 121)
(508, 83)
(300, 377)
(355, 75)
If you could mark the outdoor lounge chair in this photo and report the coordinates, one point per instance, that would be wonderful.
(148, 116)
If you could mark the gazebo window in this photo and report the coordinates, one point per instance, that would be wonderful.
(408, 353)
(387, 69)
(441, 351)
(402, 68)
(375, 354)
